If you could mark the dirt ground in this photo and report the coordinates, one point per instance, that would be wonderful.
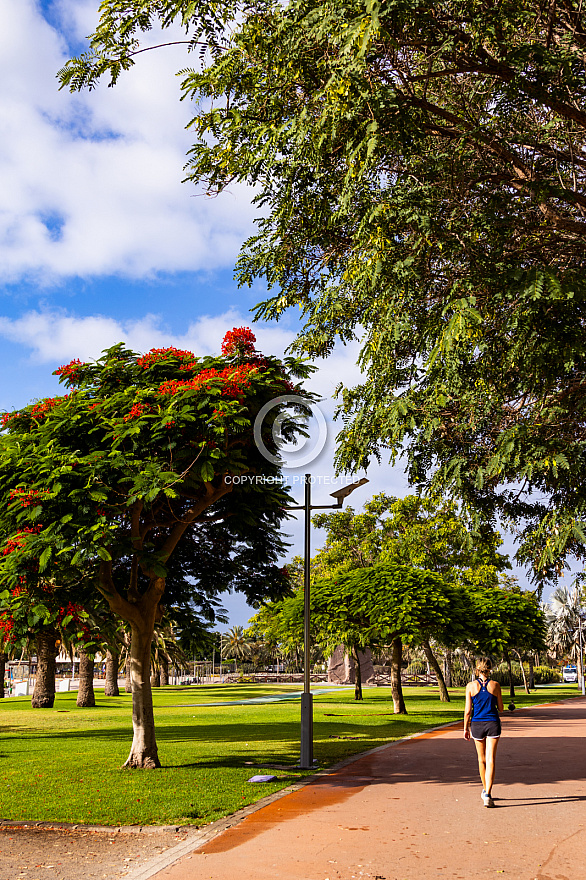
(63, 854)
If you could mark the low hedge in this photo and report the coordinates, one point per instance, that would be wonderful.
(541, 674)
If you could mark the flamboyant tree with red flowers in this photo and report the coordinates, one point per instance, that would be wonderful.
(36, 610)
(138, 457)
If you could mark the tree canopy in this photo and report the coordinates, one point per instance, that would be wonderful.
(419, 532)
(371, 606)
(108, 485)
(421, 173)
(389, 603)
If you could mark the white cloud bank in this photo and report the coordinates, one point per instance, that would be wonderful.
(91, 184)
(56, 337)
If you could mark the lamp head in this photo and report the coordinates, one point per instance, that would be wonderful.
(342, 493)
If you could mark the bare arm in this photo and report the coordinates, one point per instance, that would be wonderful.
(499, 696)
(468, 712)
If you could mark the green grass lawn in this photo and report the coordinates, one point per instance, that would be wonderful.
(63, 764)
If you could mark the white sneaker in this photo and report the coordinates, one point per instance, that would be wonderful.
(483, 795)
(487, 800)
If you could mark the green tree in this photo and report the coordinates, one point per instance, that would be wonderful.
(422, 176)
(421, 532)
(380, 605)
(412, 531)
(507, 619)
(386, 604)
(138, 455)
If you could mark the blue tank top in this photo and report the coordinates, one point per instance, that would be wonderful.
(484, 704)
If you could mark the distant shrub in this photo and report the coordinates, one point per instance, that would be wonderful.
(461, 674)
(546, 675)
(541, 674)
(501, 674)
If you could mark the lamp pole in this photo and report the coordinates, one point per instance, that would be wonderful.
(581, 649)
(306, 761)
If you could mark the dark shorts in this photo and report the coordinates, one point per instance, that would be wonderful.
(484, 729)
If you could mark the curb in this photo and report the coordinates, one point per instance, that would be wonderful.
(102, 829)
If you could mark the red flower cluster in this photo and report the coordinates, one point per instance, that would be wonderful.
(135, 413)
(75, 610)
(72, 609)
(40, 410)
(69, 370)
(234, 379)
(27, 499)
(6, 627)
(8, 417)
(19, 540)
(158, 355)
(239, 340)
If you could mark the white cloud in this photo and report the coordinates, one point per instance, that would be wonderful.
(56, 337)
(91, 184)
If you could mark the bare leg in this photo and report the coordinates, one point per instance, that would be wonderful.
(481, 753)
(491, 747)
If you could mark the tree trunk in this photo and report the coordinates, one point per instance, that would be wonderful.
(396, 688)
(111, 683)
(531, 672)
(141, 613)
(44, 692)
(155, 678)
(357, 675)
(448, 670)
(432, 660)
(522, 672)
(511, 682)
(2, 673)
(128, 677)
(164, 660)
(86, 698)
(143, 753)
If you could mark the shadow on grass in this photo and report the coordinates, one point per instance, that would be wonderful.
(254, 732)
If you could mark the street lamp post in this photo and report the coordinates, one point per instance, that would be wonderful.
(581, 649)
(306, 757)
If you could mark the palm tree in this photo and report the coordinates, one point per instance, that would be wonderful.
(236, 644)
(563, 624)
(165, 649)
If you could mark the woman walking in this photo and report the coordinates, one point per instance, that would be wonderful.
(482, 722)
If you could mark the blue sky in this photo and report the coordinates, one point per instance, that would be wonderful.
(101, 242)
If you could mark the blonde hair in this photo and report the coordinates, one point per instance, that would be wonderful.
(483, 667)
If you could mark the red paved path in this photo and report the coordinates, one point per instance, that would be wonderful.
(413, 812)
